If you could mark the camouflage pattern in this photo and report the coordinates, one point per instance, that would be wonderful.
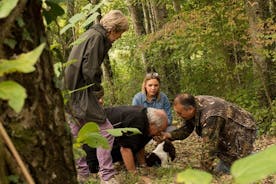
(228, 131)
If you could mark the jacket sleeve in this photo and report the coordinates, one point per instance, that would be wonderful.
(183, 132)
(167, 108)
(92, 60)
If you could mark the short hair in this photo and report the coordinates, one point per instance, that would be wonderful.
(149, 76)
(185, 99)
(154, 116)
(114, 21)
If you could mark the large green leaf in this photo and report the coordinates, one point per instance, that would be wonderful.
(93, 139)
(90, 134)
(193, 176)
(255, 167)
(14, 93)
(23, 63)
(116, 132)
(88, 127)
(6, 6)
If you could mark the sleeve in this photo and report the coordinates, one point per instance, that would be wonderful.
(167, 108)
(210, 135)
(183, 132)
(136, 100)
(92, 59)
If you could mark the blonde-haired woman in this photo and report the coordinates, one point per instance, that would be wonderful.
(151, 96)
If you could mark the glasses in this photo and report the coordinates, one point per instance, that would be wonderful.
(152, 75)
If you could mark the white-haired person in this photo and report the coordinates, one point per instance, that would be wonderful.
(83, 104)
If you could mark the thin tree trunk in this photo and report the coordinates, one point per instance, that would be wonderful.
(261, 67)
(135, 9)
(39, 132)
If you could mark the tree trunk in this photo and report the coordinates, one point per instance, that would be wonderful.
(39, 132)
(136, 12)
(261, 65)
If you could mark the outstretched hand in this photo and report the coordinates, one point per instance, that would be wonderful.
(162, 137)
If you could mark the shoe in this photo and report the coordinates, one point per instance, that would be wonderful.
(110, 181)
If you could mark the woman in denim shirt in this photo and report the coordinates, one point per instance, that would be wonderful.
(151, 96)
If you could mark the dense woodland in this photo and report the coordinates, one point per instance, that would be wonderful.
(223, 48)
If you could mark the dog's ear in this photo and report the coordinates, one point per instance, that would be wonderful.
(153, 160)
(169, 148)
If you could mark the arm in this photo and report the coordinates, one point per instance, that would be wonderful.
(92, 60)
(167, 108)
(136, 100)
(128, 159)
(210, 135)
(141, 157)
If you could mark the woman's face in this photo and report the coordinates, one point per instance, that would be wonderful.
(152, 87)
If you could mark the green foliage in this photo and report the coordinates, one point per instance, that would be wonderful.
(6, 6)
(10, 90)
(52, 11)
(89, 134)
(23, 63)
(255, 167)
(14, 93)
(193, 176)
(123, 131)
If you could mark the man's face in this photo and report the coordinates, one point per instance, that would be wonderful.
(185, 113)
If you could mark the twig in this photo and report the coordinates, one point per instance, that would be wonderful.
(10, 145)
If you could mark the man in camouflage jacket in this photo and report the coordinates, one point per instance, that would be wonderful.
(228, 132)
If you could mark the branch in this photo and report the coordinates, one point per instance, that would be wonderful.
(17, 157)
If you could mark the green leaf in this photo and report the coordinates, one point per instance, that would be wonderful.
(255, 167)
(193, 176)
(14, 93)
(77, 17)
(90, 19)
(23, 63)
(93, 139)
(6, 6)
(65, 28)
(117, 132)
(88, 127)
(10, 42)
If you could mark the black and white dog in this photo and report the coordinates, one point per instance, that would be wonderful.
(162, 155)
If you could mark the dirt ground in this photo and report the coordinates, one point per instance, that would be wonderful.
(188, 155)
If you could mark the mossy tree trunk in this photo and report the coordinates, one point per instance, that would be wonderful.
(39, 132)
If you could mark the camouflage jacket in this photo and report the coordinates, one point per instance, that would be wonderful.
(220, 124)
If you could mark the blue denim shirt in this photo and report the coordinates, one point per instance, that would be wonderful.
(163, 103)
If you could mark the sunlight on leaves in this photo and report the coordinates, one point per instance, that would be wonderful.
(6, 6)
(14, 93)
(193, 176)
(255, 167)
(23, 63)
(116, 132)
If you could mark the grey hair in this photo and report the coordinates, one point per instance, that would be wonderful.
(154, 116)
(114, 21)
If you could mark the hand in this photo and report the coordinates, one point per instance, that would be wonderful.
(166, 135)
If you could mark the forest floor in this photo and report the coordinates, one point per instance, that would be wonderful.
(187, 156)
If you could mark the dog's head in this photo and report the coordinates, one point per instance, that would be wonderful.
(163, 154)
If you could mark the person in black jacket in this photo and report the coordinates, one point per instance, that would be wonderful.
(150, 121)
(85, 70)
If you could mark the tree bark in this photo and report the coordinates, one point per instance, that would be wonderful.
(39, 132)
(135, 9)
